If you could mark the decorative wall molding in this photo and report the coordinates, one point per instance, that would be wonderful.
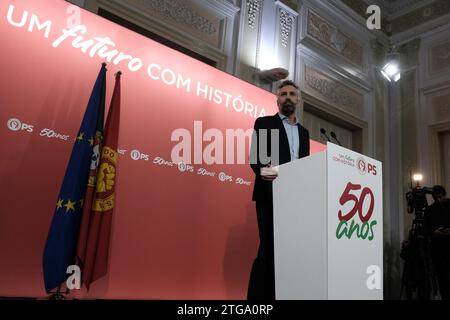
(434, 116)
(394, 9)
(343, 20)
(325, 33)
(440, 107)
(444, 108)
(403, 20)
(181, 12)
(333, 92)
(440, 58)
(286, 25)
(409, 54)
(421, 15)
(285, 34)
(253, 10)
(235, 3)
(310, 56)
(422, 30)
(434, 59)
(434, 108)
(278, 30)
(357, 17)
(248, 46)
(434, 151)
(205, 27)
(184, 15)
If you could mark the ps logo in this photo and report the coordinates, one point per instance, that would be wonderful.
(372, 169)
(224, 177)
(182, 166)
(15, 125)
(137, 155)
(361, 165)
(364, 167)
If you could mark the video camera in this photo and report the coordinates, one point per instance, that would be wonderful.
(417, 200)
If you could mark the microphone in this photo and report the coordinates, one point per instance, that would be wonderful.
(333, 135)
(324, 132)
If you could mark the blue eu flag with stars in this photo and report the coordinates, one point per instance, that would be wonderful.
(60, 248)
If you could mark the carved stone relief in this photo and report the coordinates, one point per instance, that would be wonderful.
(184, 15)
(440, 57)
(441, 107)
(327, 34)
(334, 93)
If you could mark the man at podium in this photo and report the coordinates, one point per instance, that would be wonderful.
(291, 140)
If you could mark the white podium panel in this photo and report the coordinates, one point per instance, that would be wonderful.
(328, 218)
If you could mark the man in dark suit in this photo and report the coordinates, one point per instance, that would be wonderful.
(290, 142)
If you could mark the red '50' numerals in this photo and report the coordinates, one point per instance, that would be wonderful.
(358, 202)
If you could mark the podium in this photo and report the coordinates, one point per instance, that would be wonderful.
(328, 227)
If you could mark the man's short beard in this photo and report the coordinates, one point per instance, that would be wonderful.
(287, 108)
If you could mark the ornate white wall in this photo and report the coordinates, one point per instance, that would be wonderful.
(434, 108)
(208, 28)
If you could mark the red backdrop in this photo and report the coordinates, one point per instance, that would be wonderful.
(176, 235)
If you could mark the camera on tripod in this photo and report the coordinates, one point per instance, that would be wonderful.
(417, 201)
(418, 278)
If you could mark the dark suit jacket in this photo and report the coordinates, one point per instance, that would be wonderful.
(263, 189)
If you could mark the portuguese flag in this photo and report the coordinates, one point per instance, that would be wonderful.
(94, 250)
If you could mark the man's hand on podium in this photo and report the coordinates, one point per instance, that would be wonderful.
(269, 172)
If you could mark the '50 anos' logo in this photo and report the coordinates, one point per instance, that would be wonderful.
(365, 229)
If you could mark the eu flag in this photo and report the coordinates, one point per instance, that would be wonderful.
(60, 248)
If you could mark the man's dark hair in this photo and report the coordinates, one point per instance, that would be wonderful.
(439, 190)
(288, 83)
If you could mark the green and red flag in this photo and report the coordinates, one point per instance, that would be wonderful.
(94, 250)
